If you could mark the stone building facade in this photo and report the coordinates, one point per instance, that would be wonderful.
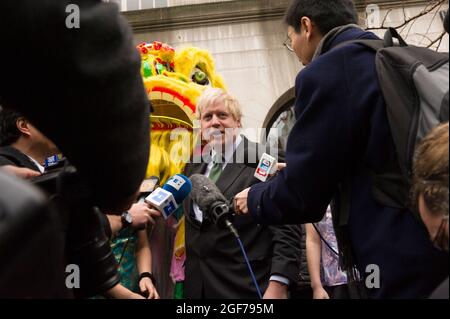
(246, 39)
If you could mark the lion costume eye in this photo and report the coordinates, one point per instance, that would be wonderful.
(200, 77)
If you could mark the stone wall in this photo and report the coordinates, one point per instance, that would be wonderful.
(246, 39)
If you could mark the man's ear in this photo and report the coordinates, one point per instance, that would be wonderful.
(306, 26)
(22, 126)
(310, 28)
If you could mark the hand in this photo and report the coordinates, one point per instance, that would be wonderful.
(142, 215)
(276, 290)
(133, 295)
(21, 172)
(279, 167)
(320, 293)
(148, 289)
(240, 202)
(120, 292)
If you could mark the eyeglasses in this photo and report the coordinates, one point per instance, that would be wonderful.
(287, 44)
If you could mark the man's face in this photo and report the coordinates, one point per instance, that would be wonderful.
(218, 124)
(304, 43)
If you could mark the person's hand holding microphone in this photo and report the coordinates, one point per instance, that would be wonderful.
(264, 171)
(143, 214)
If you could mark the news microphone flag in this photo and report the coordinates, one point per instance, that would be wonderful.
(168, 198)
(266, 167)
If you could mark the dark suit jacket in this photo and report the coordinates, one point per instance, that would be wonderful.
(215, 266)
(12, 156)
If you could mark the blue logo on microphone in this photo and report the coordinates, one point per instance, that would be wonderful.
(51, 161)
(169, 209)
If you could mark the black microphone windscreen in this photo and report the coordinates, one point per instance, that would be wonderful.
(205, 193)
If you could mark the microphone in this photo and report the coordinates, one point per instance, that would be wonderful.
(168, 198)
(211, 201)
(266, 167)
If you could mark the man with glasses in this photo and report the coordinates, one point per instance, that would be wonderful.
(341, 134)
(287, 44)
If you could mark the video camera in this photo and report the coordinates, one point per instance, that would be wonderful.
(29, 231)
(64, 226)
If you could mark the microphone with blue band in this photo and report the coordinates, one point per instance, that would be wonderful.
(168, 198)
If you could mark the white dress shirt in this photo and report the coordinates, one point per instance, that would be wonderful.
(39, 166)
(227, 157)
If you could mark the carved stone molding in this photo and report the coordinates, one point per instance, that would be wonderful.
(239, 11)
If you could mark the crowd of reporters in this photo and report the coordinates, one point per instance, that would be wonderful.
(69, 212)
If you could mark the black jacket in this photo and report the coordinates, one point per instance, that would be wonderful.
(12, 156)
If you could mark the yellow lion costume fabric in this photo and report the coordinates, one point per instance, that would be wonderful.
(174, 80)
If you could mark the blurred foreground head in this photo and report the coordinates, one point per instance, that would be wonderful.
(430, 184)
(81, 87)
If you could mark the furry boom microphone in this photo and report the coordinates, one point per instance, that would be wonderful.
(212, 202)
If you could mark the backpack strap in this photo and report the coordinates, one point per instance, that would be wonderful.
(374, 45)
(340, 211)
(390, 188)
(377, 45)
(392, 34)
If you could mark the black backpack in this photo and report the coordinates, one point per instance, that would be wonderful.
(415, 86)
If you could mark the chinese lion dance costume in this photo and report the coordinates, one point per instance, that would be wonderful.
(174, 80)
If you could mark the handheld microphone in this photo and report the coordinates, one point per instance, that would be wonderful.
(168, 198)
(212, 202)
(266, 167)
(54, 161)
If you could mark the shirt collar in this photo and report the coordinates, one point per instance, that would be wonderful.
(229, 149)
(39, 166)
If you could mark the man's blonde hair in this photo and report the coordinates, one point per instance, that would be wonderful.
(211, 95)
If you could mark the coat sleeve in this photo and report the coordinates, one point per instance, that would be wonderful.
(81, 87)
(286, 251)
(325, 143)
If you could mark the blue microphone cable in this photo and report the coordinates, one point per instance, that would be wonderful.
(233, 230)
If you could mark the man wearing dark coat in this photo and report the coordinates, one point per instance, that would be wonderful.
(341, 133)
